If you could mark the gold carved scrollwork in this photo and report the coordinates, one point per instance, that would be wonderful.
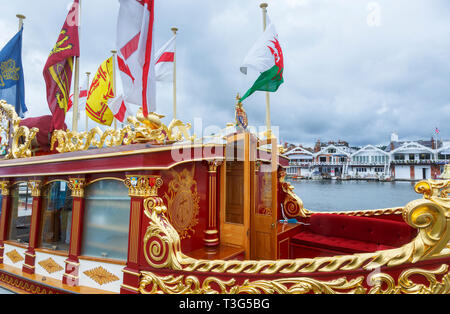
(411, 281)
(183, 201)
(143, 185)
(70, 141)
(5, 186)
(77, 186)
(19, 138)
(140, 130)
(36, 187)
(429, 216)
(292, 204)
(213, 165)
(162, 247)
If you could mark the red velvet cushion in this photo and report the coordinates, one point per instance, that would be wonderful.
(365, 229)
(351, 234)
(338, 244)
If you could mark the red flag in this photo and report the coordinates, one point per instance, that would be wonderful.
(58, 69)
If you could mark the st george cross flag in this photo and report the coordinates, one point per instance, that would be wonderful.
(136, 53)
(265, 57)
(58, 69)
(84, 88)
(119, 108)
(12, 87)
(165, 58)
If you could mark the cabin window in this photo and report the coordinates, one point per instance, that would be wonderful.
(20, 219)
(106, 220)
(56, 216)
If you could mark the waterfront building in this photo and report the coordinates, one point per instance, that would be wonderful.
(442, 156)
(369, 162)
(414, 160)
(400, 160)
(332, 161)
(300, 161)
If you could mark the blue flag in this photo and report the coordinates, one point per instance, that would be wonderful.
(12, 86)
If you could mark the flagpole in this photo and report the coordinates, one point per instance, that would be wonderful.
(76, 87)
(175, 30)
(264, 6)
(87, 89)
(21, 18)
(114, 52)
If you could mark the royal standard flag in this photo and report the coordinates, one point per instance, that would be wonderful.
(101, 90)
(265, 57)
(12, 87)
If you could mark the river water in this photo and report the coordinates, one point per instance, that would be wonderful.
(336, 195)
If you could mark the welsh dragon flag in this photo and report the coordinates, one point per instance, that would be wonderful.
(265, 57)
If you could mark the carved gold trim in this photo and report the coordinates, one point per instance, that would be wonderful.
(292, 204)
(101, 276)
(430, 216)
(14, 256)
(5, 186)
(140, 130)
(35, 186)
(213, 165)
(409, 282)
(77, 185)
(20, 138)
(183, 201)
(143, 185)
(50, 266)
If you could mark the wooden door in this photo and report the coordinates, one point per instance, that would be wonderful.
(264, 209)
(235, 195)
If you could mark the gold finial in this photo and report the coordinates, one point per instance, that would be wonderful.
(174, 30)
(113, 52)
(263, 5)
(21, 17)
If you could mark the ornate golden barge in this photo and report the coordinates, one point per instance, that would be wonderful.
(151, 209)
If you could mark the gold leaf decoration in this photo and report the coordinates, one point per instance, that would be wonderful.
(14, 256)
(183, 202)
(410, 281)
(50, 266)
(101, 275)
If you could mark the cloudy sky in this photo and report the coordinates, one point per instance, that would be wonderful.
(354, 70)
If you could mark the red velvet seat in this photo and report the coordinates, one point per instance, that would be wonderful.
(350, 234)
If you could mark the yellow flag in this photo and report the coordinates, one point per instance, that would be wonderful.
(102, 89)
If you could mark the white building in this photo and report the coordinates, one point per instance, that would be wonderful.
(369, 162)
(413, 161)
(300, 161)
(332, 161)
